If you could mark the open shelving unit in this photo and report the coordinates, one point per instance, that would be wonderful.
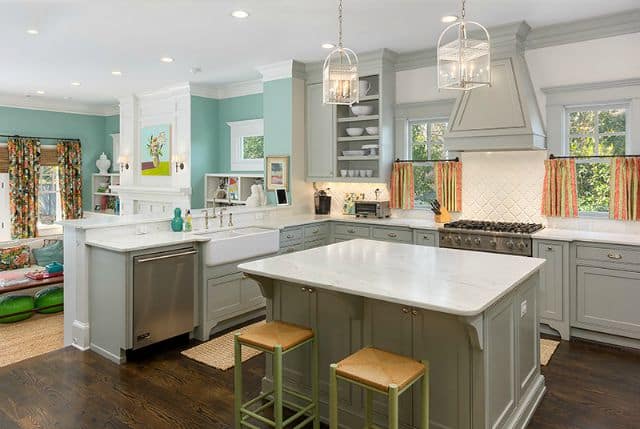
(236, 187)
(101, 192)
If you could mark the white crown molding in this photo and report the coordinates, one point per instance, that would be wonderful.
(592, 85)
(59, 106)
(219, 92)
(282, 70)
(177, 90)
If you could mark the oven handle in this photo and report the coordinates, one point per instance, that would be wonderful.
(159, 258)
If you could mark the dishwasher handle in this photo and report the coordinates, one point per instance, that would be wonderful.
(172, 255)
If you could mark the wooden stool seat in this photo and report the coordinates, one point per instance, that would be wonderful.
(379, 369)
(273, 334)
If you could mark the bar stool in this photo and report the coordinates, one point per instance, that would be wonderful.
(276, 339)
(383, 372)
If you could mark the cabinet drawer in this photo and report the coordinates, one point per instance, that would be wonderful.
(291, 248)
(621, 255)
(288, 235)
(310, 244)
(389, 234)
(316, 232)
(425, 238)
(608, 299)
(349, 230)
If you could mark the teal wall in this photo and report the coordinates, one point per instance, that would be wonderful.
(91, 130)
(111, 126)
(204, 144)
(234, 109)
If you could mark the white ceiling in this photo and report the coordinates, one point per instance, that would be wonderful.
(84, 40)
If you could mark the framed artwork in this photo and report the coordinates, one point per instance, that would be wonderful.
(155, 150)
(277, 172)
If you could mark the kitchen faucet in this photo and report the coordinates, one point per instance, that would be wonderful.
(221, 214)
(230, 219)
(206, 218)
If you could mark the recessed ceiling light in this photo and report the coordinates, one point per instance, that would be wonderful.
(166, 60)
(40, 92)
(33, 31)
(241, 14)
(116, 73)
(449, 18)
(75, 83)
(328, 45)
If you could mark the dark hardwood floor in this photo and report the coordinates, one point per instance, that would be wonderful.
(589, 387)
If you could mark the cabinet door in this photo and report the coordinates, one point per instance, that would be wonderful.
(608, 300)
(425, 238)
(224, 296)
(320, 135)
(551, 281)
(389, 327)
(251, 294)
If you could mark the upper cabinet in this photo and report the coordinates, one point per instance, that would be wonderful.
(503, 116)
(352, 144)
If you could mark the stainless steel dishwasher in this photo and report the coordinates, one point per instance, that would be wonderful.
(163, 293)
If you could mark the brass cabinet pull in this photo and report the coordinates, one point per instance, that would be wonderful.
(426, 237)
(289, 235)
(303, 289)
(310, 290)
(613, 255)
(414, 312)
(315, 231)
(549, 249)
(405, 310)
(392, 234)
(351, 231)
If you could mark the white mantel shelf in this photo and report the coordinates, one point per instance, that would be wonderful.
(150, 190)
(451, 281)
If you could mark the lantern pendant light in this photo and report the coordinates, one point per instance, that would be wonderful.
(465, 62)
(340, 72)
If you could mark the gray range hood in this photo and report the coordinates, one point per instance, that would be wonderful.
(504, 116)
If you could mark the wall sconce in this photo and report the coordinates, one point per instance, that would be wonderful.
(178, 160)
(124, 163)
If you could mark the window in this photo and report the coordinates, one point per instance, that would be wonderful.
(426, 141)
(49, 209)
(247, 145)
(595, 131)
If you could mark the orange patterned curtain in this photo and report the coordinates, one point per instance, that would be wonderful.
(624, 201)
(70, 164)
(559, 192)
(402, 192)
(24, 172)
(449, 184)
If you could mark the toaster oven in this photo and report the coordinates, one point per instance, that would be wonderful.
(378, 209)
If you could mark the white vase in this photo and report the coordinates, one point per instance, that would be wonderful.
(103, 164)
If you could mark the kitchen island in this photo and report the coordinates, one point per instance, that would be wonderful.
(472, 315)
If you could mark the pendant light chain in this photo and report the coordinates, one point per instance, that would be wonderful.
(340, 23)
(463, 12)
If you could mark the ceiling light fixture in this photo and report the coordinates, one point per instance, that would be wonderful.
(328, 46)
(449, 18)
(340, 72)
(75, 83)
(465, 62)
(33, 31)
(240, 14)
(40, 92)
(166, 60)
(116, 73)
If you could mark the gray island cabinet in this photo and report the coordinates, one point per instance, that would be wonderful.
(472, 315)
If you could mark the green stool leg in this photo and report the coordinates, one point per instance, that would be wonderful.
(237, 381)
(368, 409)
(314, 383)
(393, 406)
(425, 396)
(277, 387)
(333, 397)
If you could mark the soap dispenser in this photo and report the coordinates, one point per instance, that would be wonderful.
(177, 222)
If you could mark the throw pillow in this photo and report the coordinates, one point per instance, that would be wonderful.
(13, 258)
(48, 254)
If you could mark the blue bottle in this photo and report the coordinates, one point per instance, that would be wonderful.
(177, 222)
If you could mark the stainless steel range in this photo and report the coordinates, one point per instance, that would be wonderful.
(498, 237)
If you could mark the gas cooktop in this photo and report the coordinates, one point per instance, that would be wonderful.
(509, 227)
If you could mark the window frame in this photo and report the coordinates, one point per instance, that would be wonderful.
(239, 130)
(58, 194)
(567, 136)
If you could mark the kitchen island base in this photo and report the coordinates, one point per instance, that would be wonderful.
(485, 369)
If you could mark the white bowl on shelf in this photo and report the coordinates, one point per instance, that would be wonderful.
(354, 132)
(372, 131)
(343, 173)
(351, 173)
(361, 109)
(369, 173)
(363, 173)
(358, 152)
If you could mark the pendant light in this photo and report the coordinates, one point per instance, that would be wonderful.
(465, 62)
(340, 72)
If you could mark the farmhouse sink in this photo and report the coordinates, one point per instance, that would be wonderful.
(239, 244)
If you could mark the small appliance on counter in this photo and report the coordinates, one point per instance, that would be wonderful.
(322, 202)
(378, 209)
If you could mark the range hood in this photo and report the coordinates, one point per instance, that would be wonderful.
(504, 116)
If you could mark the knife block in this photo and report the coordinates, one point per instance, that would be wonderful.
(444, 215)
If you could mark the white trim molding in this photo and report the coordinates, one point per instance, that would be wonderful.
(219, 92)
(56, 105)
(282, 70)
(240, 130)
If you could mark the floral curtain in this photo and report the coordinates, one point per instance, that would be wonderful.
(624, 201)
(402, 191)
(449, 184)
(559, 192)
(24, 172)
(70, 176)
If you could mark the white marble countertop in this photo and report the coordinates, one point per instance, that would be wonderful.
(299, 220)
(458, 282)
(134, 242)
(629, 239)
